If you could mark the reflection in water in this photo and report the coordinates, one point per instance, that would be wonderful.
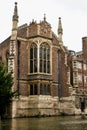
(48, 123)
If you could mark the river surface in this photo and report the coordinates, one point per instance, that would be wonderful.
(46, 123)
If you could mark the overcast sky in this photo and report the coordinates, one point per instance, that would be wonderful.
(72, 12)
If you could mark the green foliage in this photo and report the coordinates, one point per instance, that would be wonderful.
(6, 94)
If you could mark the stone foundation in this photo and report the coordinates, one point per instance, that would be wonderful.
(35, 106)
(43, 106)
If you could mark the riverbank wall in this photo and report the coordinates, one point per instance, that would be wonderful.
(38, 106)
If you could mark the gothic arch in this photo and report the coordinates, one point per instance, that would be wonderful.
(44, 57)
(33, 58)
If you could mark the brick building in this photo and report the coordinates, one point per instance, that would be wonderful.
(43, 69)
(81, 66)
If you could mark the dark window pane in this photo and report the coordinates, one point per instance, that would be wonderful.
(31, 89)
(45, 89)
(35, 89)
(31, 53)
(31, 66)
(48, 54)
(44, 66)
(48, 66)
(41, 89)
(40, 65)
(35, 53)
(48, 89)
(40, 52)
(45, 53)
(35, 65)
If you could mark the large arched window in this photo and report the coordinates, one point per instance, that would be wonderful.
(33, 58)
(44, 58)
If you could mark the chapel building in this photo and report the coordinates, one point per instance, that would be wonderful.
(44, 70)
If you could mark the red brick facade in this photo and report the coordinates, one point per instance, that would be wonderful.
(37, 33)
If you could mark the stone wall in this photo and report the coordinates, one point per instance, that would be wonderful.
(37, 106)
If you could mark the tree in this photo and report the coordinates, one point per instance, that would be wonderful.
(6, 93)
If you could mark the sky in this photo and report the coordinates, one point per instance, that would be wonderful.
(73, 15)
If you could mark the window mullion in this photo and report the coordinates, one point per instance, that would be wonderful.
(33, 59)
(42, 59)
(46, 60)
(38, 59)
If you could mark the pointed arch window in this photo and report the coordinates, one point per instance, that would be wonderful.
(33, 58)
(44, 58)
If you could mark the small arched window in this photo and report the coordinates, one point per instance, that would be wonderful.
(33, 89)
(44, 89)
(44, 58)
(33, 58)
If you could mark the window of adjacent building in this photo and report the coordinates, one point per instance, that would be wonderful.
(84, 66)
(33, 89)
(85, 79)
(44, 58)
(80, 78)
(33, 58)
(79, 65)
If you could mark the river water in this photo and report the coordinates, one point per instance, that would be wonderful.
(46, 123)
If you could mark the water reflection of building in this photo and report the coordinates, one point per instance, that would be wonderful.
(45, 72)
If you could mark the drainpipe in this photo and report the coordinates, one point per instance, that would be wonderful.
(18, 71)
(59, 75)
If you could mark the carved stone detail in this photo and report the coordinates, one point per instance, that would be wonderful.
(11, 66)
(12, 48)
